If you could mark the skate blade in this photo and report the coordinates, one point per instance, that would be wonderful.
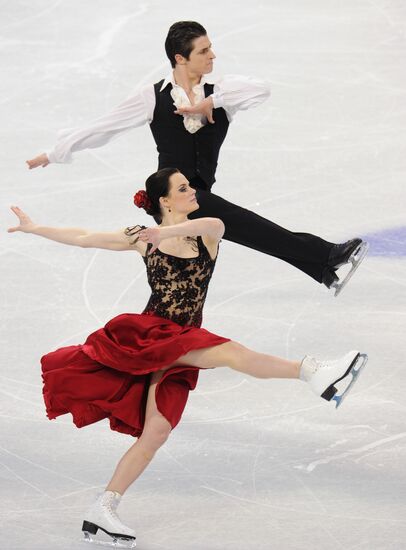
(114, 542)
(355, 370)
(355, 259)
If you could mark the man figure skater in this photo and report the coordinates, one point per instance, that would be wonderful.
(189, 118)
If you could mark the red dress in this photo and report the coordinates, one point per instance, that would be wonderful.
(109, 375)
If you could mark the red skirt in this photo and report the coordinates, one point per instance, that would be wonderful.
(109, 375)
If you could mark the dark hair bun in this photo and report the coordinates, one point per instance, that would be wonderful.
(142, 200)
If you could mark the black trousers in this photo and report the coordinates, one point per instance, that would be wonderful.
(307, 252)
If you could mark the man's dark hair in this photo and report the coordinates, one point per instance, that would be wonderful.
(180, 38)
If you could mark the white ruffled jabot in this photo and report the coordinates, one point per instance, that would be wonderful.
(192, 123)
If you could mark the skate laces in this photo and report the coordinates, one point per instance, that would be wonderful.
(313, 364)
(110, 503)
(320, 364)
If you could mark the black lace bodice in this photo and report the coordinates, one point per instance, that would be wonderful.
(179, 285)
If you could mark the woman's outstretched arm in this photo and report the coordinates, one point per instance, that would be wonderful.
(118, 240)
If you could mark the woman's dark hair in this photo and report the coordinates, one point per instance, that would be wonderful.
(180, 37)
(157, 186)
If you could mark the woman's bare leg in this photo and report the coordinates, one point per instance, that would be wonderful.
(238, 357)
(157, 428)
(136, 459)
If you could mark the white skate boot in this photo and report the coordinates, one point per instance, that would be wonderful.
(331, 377)
(102, 515)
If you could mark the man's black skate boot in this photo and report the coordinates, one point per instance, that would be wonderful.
(340, 254)
(351, 252)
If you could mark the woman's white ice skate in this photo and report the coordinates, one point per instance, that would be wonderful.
(333, 379)
(102, 515)
(355, 259)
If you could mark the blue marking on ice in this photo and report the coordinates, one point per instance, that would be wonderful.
(388, 242)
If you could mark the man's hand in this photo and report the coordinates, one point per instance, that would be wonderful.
(151, 235)
(40, 160)
(205, 108)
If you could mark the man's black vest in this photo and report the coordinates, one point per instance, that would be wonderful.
(195, 155)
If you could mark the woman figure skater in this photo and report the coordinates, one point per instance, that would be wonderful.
(138, 370)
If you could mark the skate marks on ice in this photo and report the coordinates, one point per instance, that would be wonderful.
(50, 471)
(28, 20)
(309, 502)
(354, 452)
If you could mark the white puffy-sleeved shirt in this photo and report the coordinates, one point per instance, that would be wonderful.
(232, 92)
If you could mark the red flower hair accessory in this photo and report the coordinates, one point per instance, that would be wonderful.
(142, 200)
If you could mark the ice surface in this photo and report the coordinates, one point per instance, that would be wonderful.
(254, 464)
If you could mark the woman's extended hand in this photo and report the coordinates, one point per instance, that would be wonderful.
(40, 160)
(151, 235)
(26, 223)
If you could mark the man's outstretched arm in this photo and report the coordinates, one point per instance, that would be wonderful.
(135, 111)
